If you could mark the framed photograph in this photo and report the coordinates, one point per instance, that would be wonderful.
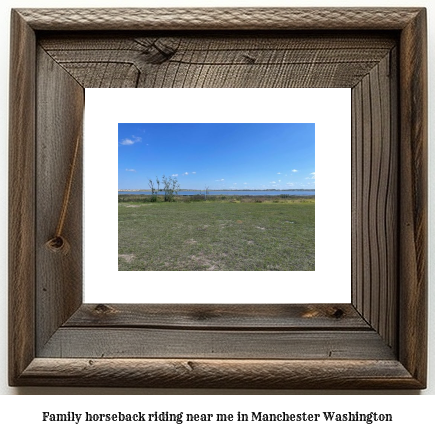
(375, 341)
(253, 226)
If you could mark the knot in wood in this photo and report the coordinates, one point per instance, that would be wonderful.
(338, 313)
(103, 309)
(58, 244)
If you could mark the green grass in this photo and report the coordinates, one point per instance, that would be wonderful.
(221, 235)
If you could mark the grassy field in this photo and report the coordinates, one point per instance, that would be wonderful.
(222, 234)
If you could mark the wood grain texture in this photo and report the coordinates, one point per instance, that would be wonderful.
(375, 201)
(127, 342)
(219, 18)
(234, 61)
(240, 374)
(21, 197)
(413, 197)
(220, 317)
(379, 342)
(60, 105)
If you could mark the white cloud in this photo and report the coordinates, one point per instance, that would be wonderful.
(193, 173)
(279, 173)
(294, 170)
(290, 183)
(185, 173)
(272, 182)
(130, 170)
(127, 141)
(218, 180)
(175, 174)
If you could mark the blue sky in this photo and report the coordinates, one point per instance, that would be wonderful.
(219, 156)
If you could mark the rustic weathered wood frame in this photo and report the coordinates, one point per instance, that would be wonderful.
(377, 341)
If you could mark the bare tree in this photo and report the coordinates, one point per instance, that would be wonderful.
(158, 184)
(171, 187)
(153, 191)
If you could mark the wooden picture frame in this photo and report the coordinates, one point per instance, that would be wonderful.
(376, 342)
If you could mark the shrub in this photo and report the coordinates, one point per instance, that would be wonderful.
(171, 187)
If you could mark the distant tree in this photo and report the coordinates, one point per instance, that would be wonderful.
(158, 184)
(206, 192)
(171, 187)
(153, 191)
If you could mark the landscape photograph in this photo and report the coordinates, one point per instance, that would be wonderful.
(216, 197)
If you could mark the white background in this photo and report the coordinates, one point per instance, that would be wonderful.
(329, 109)
(414, 413)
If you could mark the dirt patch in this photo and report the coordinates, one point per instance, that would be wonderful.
(127, 258)
(191, 241)
(203, 261)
